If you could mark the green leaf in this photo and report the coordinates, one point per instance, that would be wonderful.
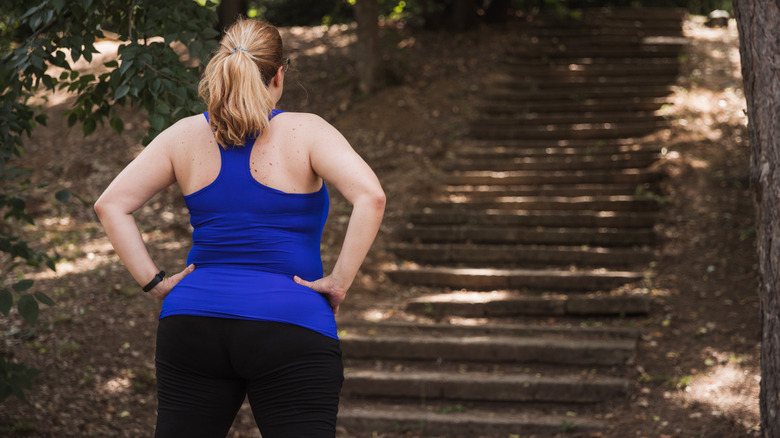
(6, 301)
(43, 298)
(125, 65)
(23, 285)
(117, 125)
(36, 61)
(63, 195)
(28, 308)
(88, 127)
(121, 91)
(5, 392)
(156, 121)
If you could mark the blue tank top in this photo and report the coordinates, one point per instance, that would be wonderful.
(249, 240)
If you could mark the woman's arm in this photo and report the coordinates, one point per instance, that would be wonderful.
(144, 177)
(333, 159)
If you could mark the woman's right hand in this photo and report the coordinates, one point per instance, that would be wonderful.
(327, 286)
(163, 288)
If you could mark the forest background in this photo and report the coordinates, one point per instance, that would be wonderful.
(35, 199)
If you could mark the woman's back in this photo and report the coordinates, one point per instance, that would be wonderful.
(281, 159)
(251, 237)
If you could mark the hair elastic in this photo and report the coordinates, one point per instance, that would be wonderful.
(239, 48)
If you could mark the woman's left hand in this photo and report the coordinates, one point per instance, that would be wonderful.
(164, 287)
(327, 286)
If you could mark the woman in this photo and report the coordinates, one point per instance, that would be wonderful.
(252, 314)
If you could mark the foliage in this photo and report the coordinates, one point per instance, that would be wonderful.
(304, 12)
(15, 378)
(423, 12)
(40, 42)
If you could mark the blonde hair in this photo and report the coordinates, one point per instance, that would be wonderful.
(235, 82)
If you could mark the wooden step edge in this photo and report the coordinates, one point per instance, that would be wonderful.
(499, 349)
(529, 279)
(502, 304)
(480, 386)
(498, 329)
(365, 421)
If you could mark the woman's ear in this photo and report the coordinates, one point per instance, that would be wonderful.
(278, 79)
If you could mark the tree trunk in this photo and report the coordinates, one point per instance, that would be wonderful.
(463, 15)
(368, 49)
(758, 22)
(228, 12)
(496, 12)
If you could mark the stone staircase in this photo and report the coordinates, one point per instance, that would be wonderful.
(536, 248)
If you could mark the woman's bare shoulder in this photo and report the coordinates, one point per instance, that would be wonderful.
(307, 124)
(191, 124)
(185, 130)
(289, 117)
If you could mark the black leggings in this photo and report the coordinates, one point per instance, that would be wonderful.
(207, 366)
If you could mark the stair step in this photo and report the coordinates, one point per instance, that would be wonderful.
(521, 218)
(592, 68)
(481, 255)
(584, 32)
(604, 25)
(365, 420)
(497, 304)
(573, 143)
(531, 279)
(561, 51)
(470, 192)
(552, 203)
(530, 235)
(619, 17)
(629, 103)
(583, 63)
(432, 385)
(579, 352)
(591, 37)
(588, 39)
(575, 81)
(589, 149)
(626, 176)
(404, 328)
(578, 29)
(550, 96)
(535, 119)
(572, 130)
(553, 162)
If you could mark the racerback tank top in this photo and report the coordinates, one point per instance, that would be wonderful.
(249, 240)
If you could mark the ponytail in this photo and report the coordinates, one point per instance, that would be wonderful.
(235, 83)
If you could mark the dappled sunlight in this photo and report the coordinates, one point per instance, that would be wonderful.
(81, 256)
(107, 51)
(308, 41)
(723, 387)
(376, 315)
(116, 385)
(469, 297)
(703, 104)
